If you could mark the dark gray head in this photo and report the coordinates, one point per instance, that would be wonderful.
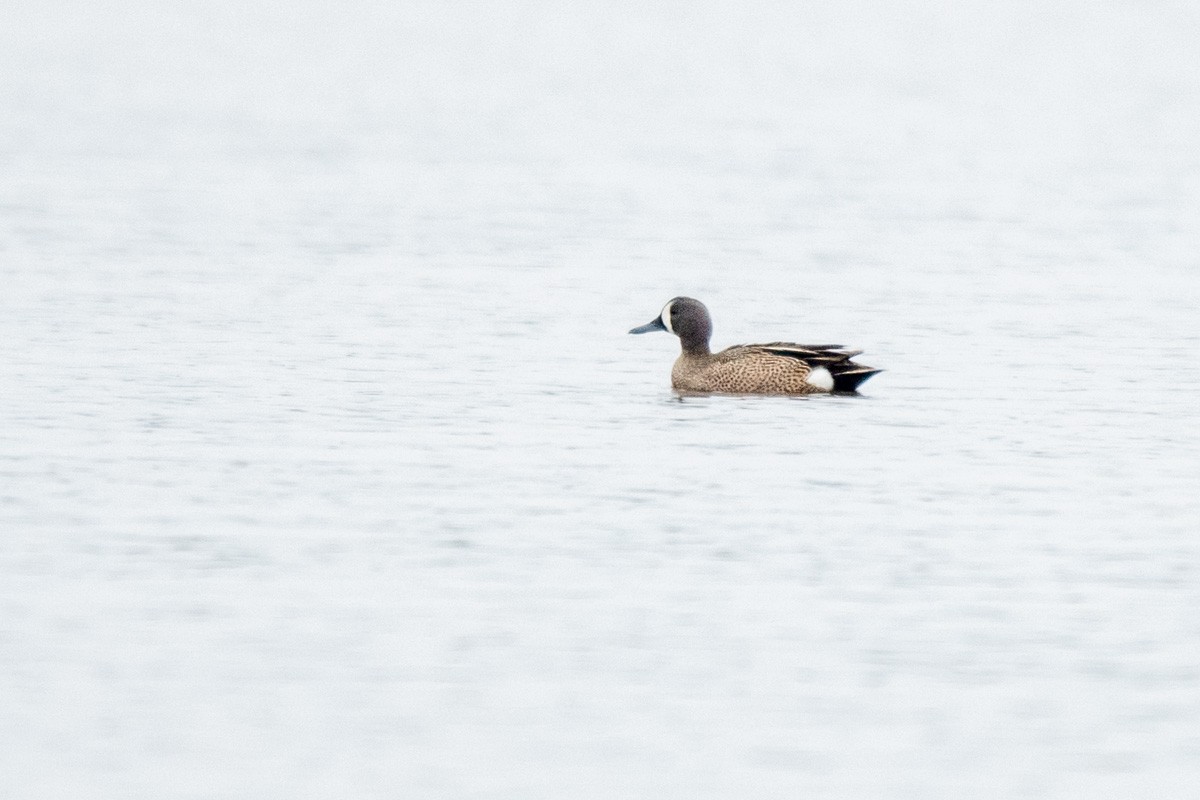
(686, 318)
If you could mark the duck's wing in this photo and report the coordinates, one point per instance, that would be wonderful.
(847, 374)
(825, 354)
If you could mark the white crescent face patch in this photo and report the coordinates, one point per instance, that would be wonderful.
(665, 316)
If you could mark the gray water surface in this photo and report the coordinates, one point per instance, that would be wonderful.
(328, 470)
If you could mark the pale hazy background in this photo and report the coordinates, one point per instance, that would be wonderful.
(328, 470)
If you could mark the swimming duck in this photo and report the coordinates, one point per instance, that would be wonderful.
(774, 368)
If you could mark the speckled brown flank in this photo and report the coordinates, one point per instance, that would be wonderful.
(744, 369)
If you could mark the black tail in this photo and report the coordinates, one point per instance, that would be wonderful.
(847, 381)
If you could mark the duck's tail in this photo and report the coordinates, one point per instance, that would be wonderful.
(848, 376)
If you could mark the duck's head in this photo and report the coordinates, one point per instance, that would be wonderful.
(685, 317)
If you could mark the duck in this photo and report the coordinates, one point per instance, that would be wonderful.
(774, 368)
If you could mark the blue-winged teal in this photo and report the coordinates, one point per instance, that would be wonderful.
(774, 368)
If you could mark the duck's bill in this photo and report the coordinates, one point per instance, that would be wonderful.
(655, 325)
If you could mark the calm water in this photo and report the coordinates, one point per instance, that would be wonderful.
(328, 470)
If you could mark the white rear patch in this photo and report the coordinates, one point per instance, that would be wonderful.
(665, 316)
(820, 377)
